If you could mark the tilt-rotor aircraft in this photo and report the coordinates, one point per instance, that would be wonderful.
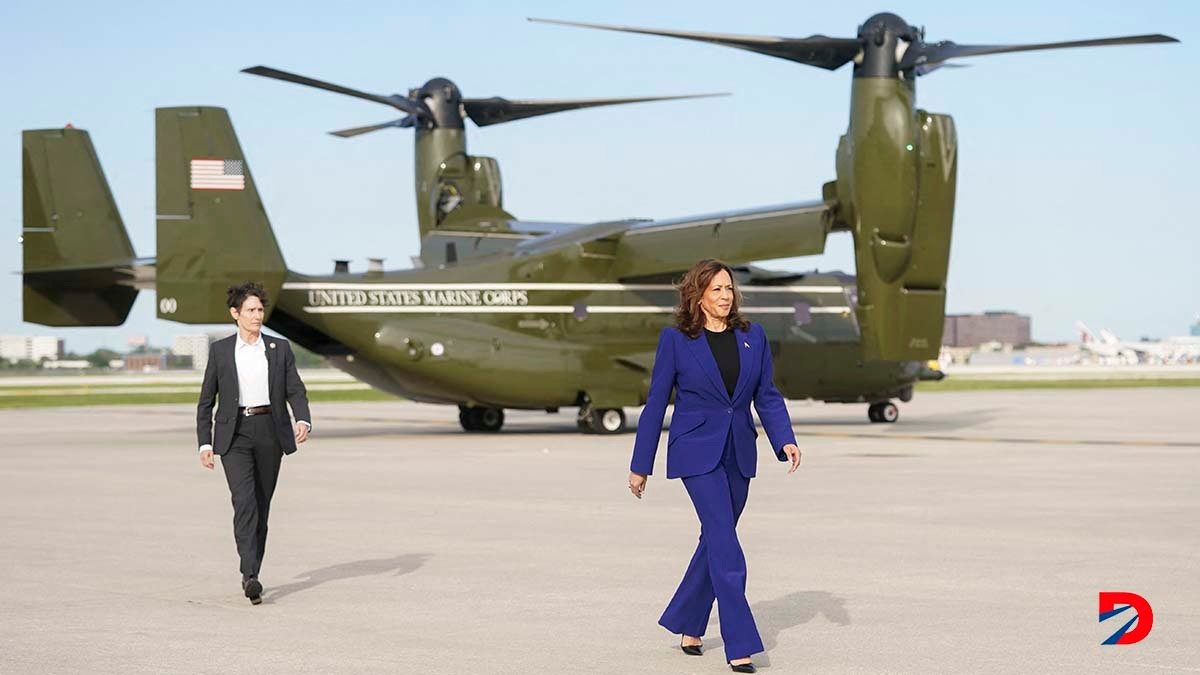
(503, 313)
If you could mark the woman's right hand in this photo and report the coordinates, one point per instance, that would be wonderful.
(637, 484)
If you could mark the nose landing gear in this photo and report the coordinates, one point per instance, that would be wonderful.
(601, 420)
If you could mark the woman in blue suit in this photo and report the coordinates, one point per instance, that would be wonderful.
(716, 362)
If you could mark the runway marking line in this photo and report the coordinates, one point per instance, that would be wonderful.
(1002, 439)
(907, 437)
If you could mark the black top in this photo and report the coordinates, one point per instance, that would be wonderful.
(725, 351)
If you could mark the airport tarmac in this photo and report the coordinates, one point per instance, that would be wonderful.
(972, 536)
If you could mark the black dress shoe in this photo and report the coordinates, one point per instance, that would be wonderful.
(743, 668)
(253, 590)
(691, 650)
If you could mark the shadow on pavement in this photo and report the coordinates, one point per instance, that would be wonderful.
(794, 609)
(401, 564)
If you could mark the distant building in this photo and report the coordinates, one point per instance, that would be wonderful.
(972, 330)
(15, 348)
(195, 346)
(157, 360)
(137, 341)
(145, 362)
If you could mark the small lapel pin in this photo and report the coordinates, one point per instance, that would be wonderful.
(747, 344)
(273, 345)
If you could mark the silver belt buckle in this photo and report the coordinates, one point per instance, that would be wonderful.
(246, 411)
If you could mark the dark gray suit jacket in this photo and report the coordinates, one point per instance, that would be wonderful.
(221, 385)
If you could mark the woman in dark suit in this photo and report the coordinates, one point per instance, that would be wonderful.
(717, 363)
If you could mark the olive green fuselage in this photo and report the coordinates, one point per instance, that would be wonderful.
(443, 336)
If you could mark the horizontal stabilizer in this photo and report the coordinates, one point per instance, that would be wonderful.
(78, 265)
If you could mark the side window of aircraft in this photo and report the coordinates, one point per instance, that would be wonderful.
(449, 198)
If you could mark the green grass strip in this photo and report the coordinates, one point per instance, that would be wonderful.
(42, 401)
(88, 386)
(972, 384)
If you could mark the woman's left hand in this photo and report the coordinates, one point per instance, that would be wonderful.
(637, 484)
(793, 454)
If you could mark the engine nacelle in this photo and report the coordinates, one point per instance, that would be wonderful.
(895, 189)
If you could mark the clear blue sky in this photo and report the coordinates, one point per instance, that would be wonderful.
(1077, 177)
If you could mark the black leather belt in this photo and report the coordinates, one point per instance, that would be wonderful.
(255, 410)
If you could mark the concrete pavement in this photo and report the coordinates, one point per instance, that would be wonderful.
(972, 536)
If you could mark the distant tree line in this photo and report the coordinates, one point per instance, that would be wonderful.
(101, 357)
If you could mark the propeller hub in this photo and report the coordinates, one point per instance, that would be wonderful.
(444, 100)
(884, 37)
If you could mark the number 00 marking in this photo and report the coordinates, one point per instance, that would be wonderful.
(167, 306)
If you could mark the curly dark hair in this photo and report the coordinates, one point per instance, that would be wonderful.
(236, 295)
(689, 319)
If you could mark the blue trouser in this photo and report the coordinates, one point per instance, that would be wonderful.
(718, 567)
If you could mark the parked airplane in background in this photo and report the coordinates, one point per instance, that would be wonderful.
(1102, 349)
(1111, 349)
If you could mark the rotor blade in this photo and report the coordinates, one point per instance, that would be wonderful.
(495, 110)
(815, 50)
(395, 101)
(927, 69)
(356, 131)
(928, 54)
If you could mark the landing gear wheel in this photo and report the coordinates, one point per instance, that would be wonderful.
(601, 420)
(889, 413)
(608, 421)
(885, 411)
(491, 419)
(481, 418)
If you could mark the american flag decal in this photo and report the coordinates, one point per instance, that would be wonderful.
(218, 174)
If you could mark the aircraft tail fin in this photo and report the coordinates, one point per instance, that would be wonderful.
(1085, 333)
(212, 229)
(1109, 337)
(78, 265)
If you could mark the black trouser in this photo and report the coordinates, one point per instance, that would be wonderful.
(251, 469)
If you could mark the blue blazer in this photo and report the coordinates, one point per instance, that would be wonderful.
(705, 414)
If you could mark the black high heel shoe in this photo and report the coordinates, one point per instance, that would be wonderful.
(743, 668)
(690, 650)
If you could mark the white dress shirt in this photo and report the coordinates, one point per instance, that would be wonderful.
(251, 361)
(254, 389)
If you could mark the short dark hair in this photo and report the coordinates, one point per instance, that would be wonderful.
(236, 295)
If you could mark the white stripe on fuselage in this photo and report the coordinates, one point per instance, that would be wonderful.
(549, 286)
(546, 309)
